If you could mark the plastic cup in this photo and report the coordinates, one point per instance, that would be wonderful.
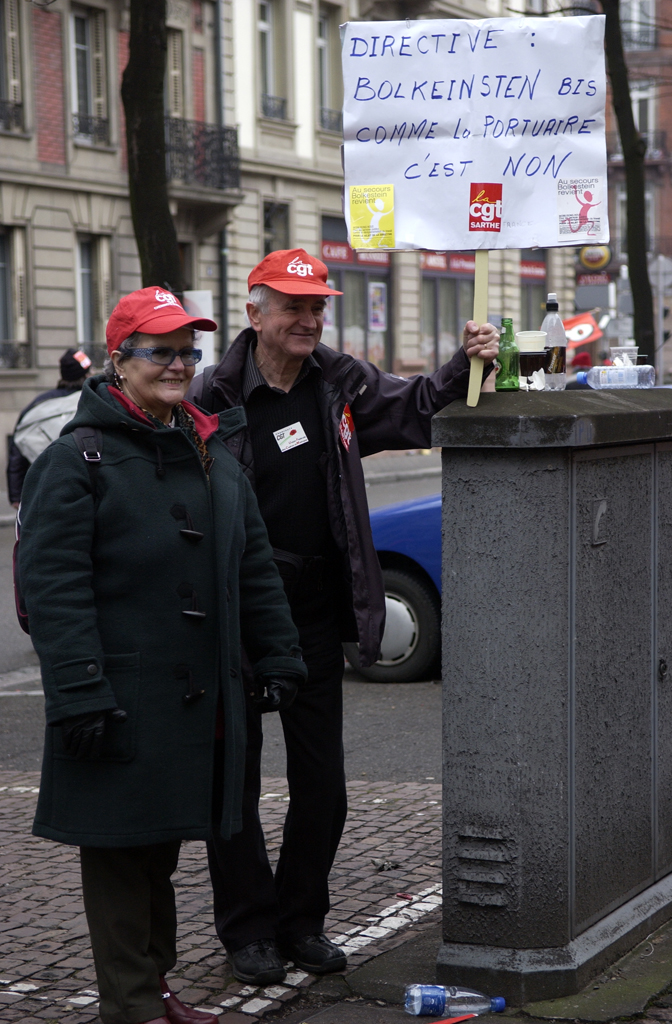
(531, 341)
(625, 350)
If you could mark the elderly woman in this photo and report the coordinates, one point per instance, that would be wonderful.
(144, 563)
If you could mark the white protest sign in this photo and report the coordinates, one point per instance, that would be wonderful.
(475, 134)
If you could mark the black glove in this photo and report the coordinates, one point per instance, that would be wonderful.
(83, 734)
(279, 695)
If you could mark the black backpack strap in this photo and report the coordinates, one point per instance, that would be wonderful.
(89, 441)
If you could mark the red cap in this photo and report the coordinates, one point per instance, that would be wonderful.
(150, 311)
(580, 360)
(293, 272)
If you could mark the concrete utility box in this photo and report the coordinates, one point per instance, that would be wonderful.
(557, 633)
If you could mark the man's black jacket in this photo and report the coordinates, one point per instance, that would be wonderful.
(388, 412)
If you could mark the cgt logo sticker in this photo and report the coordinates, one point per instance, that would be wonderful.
(485, 206)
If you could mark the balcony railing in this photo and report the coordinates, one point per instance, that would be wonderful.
(656, 147)
(331, 120)
(95, 130)
(202, 154)
(11, 116)
(15, 355)
(274, 106)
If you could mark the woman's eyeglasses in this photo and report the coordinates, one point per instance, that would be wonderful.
(164, 356)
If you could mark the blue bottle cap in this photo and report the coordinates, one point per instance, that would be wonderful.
(497, 1004)
(581, 377)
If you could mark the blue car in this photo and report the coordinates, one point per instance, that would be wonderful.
(407, 537)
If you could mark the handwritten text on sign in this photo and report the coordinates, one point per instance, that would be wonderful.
(491, 132)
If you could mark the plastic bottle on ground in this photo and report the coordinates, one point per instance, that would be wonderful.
(618, 377)
(556, 345)
(452, 1001)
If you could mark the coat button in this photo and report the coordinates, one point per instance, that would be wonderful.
(92, 670)
(232, 672)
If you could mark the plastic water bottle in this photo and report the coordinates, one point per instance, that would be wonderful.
(556, 346)
(618, 377)
(454, 1002)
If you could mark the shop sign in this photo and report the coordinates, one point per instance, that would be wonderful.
(592, 279)
(533, 270)
(370, 256)
(433, 261)
(463, 134)
(336, 252)
(462, 264)
(594, 257)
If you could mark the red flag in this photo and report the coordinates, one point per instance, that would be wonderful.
(581, 329)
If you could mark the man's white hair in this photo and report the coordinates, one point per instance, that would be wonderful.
(261, 296)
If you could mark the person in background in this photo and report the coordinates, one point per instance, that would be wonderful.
(75, 368)
(311, 414)
(581, 361)
(140, 583)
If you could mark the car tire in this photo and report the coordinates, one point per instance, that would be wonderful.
(412, 642)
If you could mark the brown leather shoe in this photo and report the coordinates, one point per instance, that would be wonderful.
(178, 1013)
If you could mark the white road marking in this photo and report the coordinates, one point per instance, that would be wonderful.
(389, 920)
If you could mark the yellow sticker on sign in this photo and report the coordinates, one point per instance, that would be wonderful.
(372, 216)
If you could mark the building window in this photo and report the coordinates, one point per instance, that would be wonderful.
(276, 227)
(642, 98)
(11, 106)
(638, 24)
(5, 289)
(447, 304)
(85, 306)
(89, 78)
(273, 104)
(331, 118)
(174, 95)
(14, 347)
(93, 294)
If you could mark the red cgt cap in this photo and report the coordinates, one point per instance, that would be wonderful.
(293, 272)
(151, 311)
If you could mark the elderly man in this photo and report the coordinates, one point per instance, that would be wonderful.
(311, 413)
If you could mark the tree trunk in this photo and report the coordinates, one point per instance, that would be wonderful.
(634, 148)
(142, 92)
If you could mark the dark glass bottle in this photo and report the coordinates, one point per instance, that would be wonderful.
(508, 373)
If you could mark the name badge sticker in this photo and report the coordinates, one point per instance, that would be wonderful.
(290, 437)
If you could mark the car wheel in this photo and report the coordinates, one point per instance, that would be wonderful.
(412, 639)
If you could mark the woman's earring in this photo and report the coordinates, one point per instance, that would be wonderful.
(117, 380)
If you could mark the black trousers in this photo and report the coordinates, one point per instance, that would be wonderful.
(249, 902)
(130, 909)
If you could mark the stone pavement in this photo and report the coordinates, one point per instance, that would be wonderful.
(385, 885)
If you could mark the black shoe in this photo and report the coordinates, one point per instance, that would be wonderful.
(314, 953)
(258, 963)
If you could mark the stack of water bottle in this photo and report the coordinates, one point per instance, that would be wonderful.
(536, 360)
(457, 1003)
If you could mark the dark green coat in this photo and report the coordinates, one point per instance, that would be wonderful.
(106, 589)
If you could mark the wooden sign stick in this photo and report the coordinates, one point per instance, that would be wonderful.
(480, 316)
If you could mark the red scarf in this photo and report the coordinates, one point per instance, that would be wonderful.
(205, 424)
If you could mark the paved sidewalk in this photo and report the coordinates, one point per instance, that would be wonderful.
(385, 879)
